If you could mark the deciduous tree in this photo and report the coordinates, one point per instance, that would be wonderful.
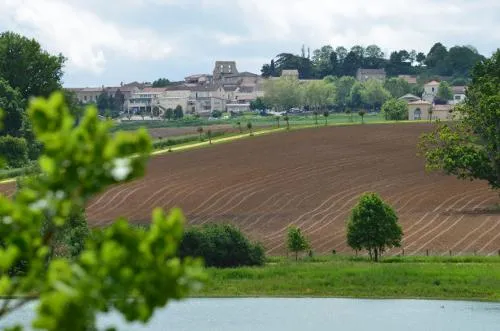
(373, 225)
(296, 241)
(395, 110)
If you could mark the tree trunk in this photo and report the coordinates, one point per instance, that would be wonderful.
(370, 253)
(296, 256)
(376, 254)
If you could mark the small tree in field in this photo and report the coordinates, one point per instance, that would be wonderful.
(239, 126)
(349, 112)
(362, 114)
(209, 135)
(278, 120)
(287, 120)
(315, 117)
(249, 127)
(200, 131)
(325, 114)
(296, 241)
(373, 225)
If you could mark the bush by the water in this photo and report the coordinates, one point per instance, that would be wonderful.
(221, 245)
(14, 151)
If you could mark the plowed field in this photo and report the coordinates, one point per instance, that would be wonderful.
(312, 178)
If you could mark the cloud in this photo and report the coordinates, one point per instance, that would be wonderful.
(83, 37)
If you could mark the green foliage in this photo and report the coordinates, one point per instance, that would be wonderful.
(373, 225)
(122, 268)
(161, 82)
(14, 151)
(11, 102)
(28, 68)
(168, 114)
(362, 114)
(283, 93)
(397, 87)
(178, 113)
(258, 104)
(470, 149)
(296, 241)
(444, 91)
(216, 114)
(395, 110)
(374, 94)
(222, 246)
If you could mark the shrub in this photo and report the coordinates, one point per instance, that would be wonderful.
(14, 151)
(222, 246)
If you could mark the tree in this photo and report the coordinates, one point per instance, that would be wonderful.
(12, 104)
(161, 82)
(470, 148)
(318, 94)
(283, 93)
(123, 269)
(216, 113)
(374, 94)
(343, 91)
(209, 136)
(287, 120)
(444, 92)
(315, 113)
(325, 115)
(356, 96)
(239, 126)
(278, 120)
(258, 104)
(420, 58)
(395, 110)
(362, 114)
(200, 131)
(397, 87)
(169, 114)
(28, 68)
(349, 112)
(296, 241)
(373, 225)
(119, 101)
(249, 127)
(178, 113)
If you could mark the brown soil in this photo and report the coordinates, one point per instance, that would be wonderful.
(312, 178)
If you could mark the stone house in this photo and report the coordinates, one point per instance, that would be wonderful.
(430, 91)
(424, 110)
(363, 75)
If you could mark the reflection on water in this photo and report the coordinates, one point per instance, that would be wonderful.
(308, 314)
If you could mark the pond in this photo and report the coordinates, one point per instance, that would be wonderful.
(289, 314)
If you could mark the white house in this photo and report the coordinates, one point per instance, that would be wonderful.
(430, 91)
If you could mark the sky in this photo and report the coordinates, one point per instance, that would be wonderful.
(111, 41)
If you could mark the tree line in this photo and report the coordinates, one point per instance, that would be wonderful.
(454, 63)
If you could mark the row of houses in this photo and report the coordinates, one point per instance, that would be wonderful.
(226, 89)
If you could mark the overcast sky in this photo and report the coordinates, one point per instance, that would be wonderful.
(109, 41)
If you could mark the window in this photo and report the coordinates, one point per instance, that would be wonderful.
(85, 98)
(433, 89)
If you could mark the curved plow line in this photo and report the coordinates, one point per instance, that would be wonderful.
(489, 242)
(480, 237)
(243, 223)
(160, 194)
(328, 200)
(207, 201)
(122, 188)
(314, 224)
(469, 234)
(414, 242)
(248, 196)
(438, 207)
(295, 173)
(277, 204)
(258, 219)
(453, 224)
(236, 191)
(414, 196)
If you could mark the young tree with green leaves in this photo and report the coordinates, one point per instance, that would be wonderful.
(178, 113)
(315, 113)
(395, 110)
(209, 136)
(161, 82)
(121, 268)
(373, 225)
(287, 120)
(249, 127)
(326, 113)
(444, 93)
(470, 147)
(348, 111)
(239, 126)
(362, 114)
(296, 241)
(278, 121)
(168, 114)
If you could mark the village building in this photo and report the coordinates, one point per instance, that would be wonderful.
(364, 75)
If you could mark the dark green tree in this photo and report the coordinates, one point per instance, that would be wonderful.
(470, 148)
(362, 114)
(287, 120)
(12, 104)
(178, 113)
(28, 68)
(168, 114)
(200, 131)
(326, 113)
(249, 127)
(258, 104)
(161, 82)
(373, 225)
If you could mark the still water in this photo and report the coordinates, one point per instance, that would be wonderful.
(309, 314)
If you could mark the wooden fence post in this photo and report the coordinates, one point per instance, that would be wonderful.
(450, 252)
(427, 252)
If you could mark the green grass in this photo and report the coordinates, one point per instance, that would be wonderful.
(471, 278)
